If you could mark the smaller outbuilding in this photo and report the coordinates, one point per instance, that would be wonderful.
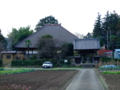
(117, 53)
(8, 56)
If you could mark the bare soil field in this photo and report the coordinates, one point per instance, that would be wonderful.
(113, 81)
(39, 80)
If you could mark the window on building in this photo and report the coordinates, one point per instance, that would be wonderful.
(8, 56)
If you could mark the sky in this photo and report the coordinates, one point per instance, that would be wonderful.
(77, 16)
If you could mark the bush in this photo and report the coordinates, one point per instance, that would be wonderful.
(0, 63)
(38, 63)
(106, 59)
(110, 72)
(26, 63)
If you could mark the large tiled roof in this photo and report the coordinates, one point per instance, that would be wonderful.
(55, 30)
(7, 52)
(86, 44)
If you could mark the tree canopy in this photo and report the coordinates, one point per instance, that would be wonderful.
(46, 20)
(18, 35)
(3, 43)
(107, 30)
(46, 47)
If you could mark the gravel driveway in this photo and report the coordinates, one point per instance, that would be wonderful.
(86, 79)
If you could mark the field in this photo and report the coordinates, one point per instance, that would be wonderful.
(113, 80)
(38, 80)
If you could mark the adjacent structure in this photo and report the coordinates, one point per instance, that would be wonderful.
(86, 47)
(8, 56)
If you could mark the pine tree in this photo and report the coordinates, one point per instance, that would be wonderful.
(97, 31)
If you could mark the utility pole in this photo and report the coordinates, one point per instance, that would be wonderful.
(107, 40)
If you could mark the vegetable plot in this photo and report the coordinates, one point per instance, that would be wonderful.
(6, 72)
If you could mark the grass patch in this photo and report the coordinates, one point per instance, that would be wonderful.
(111, 72)
(6, 72)
(59, 69)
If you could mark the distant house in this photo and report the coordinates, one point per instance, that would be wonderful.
(117, 53)
(8, 56)
(104, 53)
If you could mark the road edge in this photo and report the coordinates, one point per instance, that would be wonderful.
(102, 80)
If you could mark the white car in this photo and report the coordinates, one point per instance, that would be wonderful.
(47, 64)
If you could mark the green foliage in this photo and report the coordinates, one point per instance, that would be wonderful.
(3, 43)
(36, 63)
(18, 35)
(1, 69)
(111, 72)
(76, 53)
(26, 63)
(47, 36)
(28, 43)
(46, 47)
(67, 50)
(97, 31)
(89, 35)
(106, 59)
(107, 30)
(46, 20)
(6, 72)
(0, 63)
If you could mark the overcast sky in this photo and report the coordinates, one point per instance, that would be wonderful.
(74, 15)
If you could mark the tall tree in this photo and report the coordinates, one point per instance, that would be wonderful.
(110, 22)
(109, 27)
(28, 43)
(20, 34)
(46, 47)
(97, 31)
(46, 20)
(67, 50)
(3, 42)
(89, 35)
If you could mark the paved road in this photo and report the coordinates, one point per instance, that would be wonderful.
(86, 79)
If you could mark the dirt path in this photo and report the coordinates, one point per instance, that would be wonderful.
(85, 80)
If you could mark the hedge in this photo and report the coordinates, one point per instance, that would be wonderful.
(37, 63)
(0, 63)
(106, 59)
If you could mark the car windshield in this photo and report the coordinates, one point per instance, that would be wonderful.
(47, 63)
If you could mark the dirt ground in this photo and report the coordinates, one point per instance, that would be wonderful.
(39, 80)
(113, 81)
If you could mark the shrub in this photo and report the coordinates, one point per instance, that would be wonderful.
(110, 72)
(38, 63)
(106, 59)
(0, 63)
(6, 72)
